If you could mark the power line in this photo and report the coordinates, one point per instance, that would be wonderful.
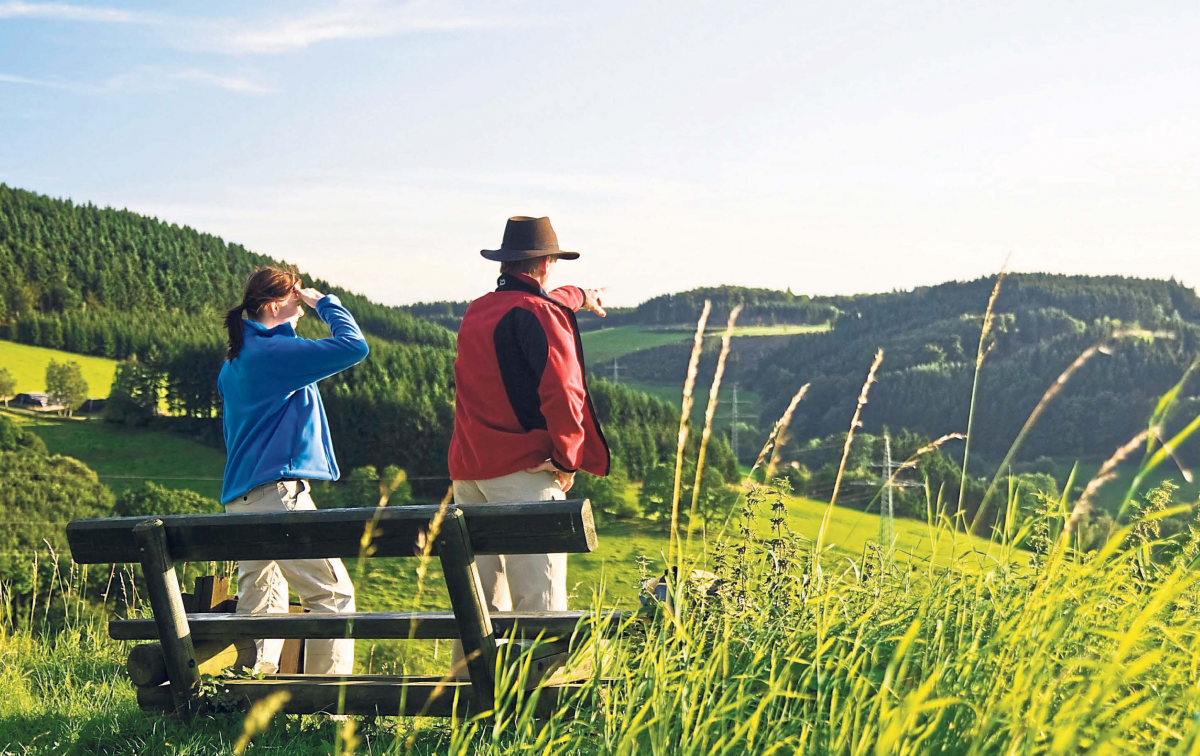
(616, 371)
(734, 418)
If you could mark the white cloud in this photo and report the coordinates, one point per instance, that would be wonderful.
(67, 12)
(10, 79)
(230, 83)
(147, 80)
(157, 80)
(347, 20)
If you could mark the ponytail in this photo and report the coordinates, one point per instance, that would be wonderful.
(233, 324)
(266, 285)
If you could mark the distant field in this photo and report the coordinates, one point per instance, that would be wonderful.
(1109, 497)
(28, 366)
(126, 457)
(603, 345)
(749, 402)
(777, 330)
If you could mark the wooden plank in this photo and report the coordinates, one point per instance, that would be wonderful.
(475, 630)
(291, 657)
(209, 594)
(498, 528)
(147, 667)
(368, 696)
(366, 625)
(162, 587)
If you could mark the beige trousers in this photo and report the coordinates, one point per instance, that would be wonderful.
(516, 582)
(322, 584)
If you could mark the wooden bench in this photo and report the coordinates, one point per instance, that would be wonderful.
(158, 543)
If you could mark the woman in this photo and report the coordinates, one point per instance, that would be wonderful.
(277, 439)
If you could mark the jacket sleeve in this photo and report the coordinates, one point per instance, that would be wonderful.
(295, 363)
(570, 296)
(561, 391)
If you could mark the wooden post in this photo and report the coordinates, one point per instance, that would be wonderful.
(170, 617)
(147, 666)
(210, 594)
(466, 597)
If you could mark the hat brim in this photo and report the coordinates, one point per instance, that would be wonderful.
(513, 255)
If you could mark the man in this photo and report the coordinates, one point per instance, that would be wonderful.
(523, 420)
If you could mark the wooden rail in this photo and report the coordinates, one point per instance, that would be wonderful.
(517, 528)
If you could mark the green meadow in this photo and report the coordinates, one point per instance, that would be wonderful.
(603, 345)
(126, 457)
(28, 366)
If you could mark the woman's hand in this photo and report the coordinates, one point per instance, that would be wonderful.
(309, 297)
(564, 479)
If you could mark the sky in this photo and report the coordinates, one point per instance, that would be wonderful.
(829, 148)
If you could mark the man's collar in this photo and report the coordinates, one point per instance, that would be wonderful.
(520, 282)
(283, 329)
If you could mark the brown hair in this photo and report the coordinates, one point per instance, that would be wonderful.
(527, 266)
(265, 286)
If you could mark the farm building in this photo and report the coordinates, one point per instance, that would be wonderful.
(35, 400)
(92, 405)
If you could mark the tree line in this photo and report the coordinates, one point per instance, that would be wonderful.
(930, 337)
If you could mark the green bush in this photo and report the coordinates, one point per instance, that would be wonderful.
(607, 494)
(15, 438)
(39, 495)
(153, 499)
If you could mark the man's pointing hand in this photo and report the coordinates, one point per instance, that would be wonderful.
(591, 301)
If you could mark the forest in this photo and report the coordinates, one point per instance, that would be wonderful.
(1149, 331)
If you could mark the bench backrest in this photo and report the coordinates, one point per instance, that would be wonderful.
(508, 528)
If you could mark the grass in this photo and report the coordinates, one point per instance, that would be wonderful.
(28, 367)
(1054, 652)
(603, 345)
(780, 330)
(126, 457)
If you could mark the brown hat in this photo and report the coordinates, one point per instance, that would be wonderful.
(526, 238)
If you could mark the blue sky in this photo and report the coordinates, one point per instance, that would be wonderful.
(825, 147)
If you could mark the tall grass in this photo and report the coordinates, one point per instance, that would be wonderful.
(1044, 651)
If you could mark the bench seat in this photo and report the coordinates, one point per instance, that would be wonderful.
(543, 527)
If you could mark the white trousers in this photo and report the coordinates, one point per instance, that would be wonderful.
(322, 584)
(516, 582)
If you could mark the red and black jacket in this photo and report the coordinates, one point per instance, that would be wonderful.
(521, 392)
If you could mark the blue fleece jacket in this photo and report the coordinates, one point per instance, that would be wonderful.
(274, 421)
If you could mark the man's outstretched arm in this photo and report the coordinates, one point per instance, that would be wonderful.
(580, 299)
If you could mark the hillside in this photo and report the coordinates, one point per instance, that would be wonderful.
(114, 284)
(930, 336)
(68, 272)
(27, 364)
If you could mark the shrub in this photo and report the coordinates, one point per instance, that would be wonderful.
(153, 499)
